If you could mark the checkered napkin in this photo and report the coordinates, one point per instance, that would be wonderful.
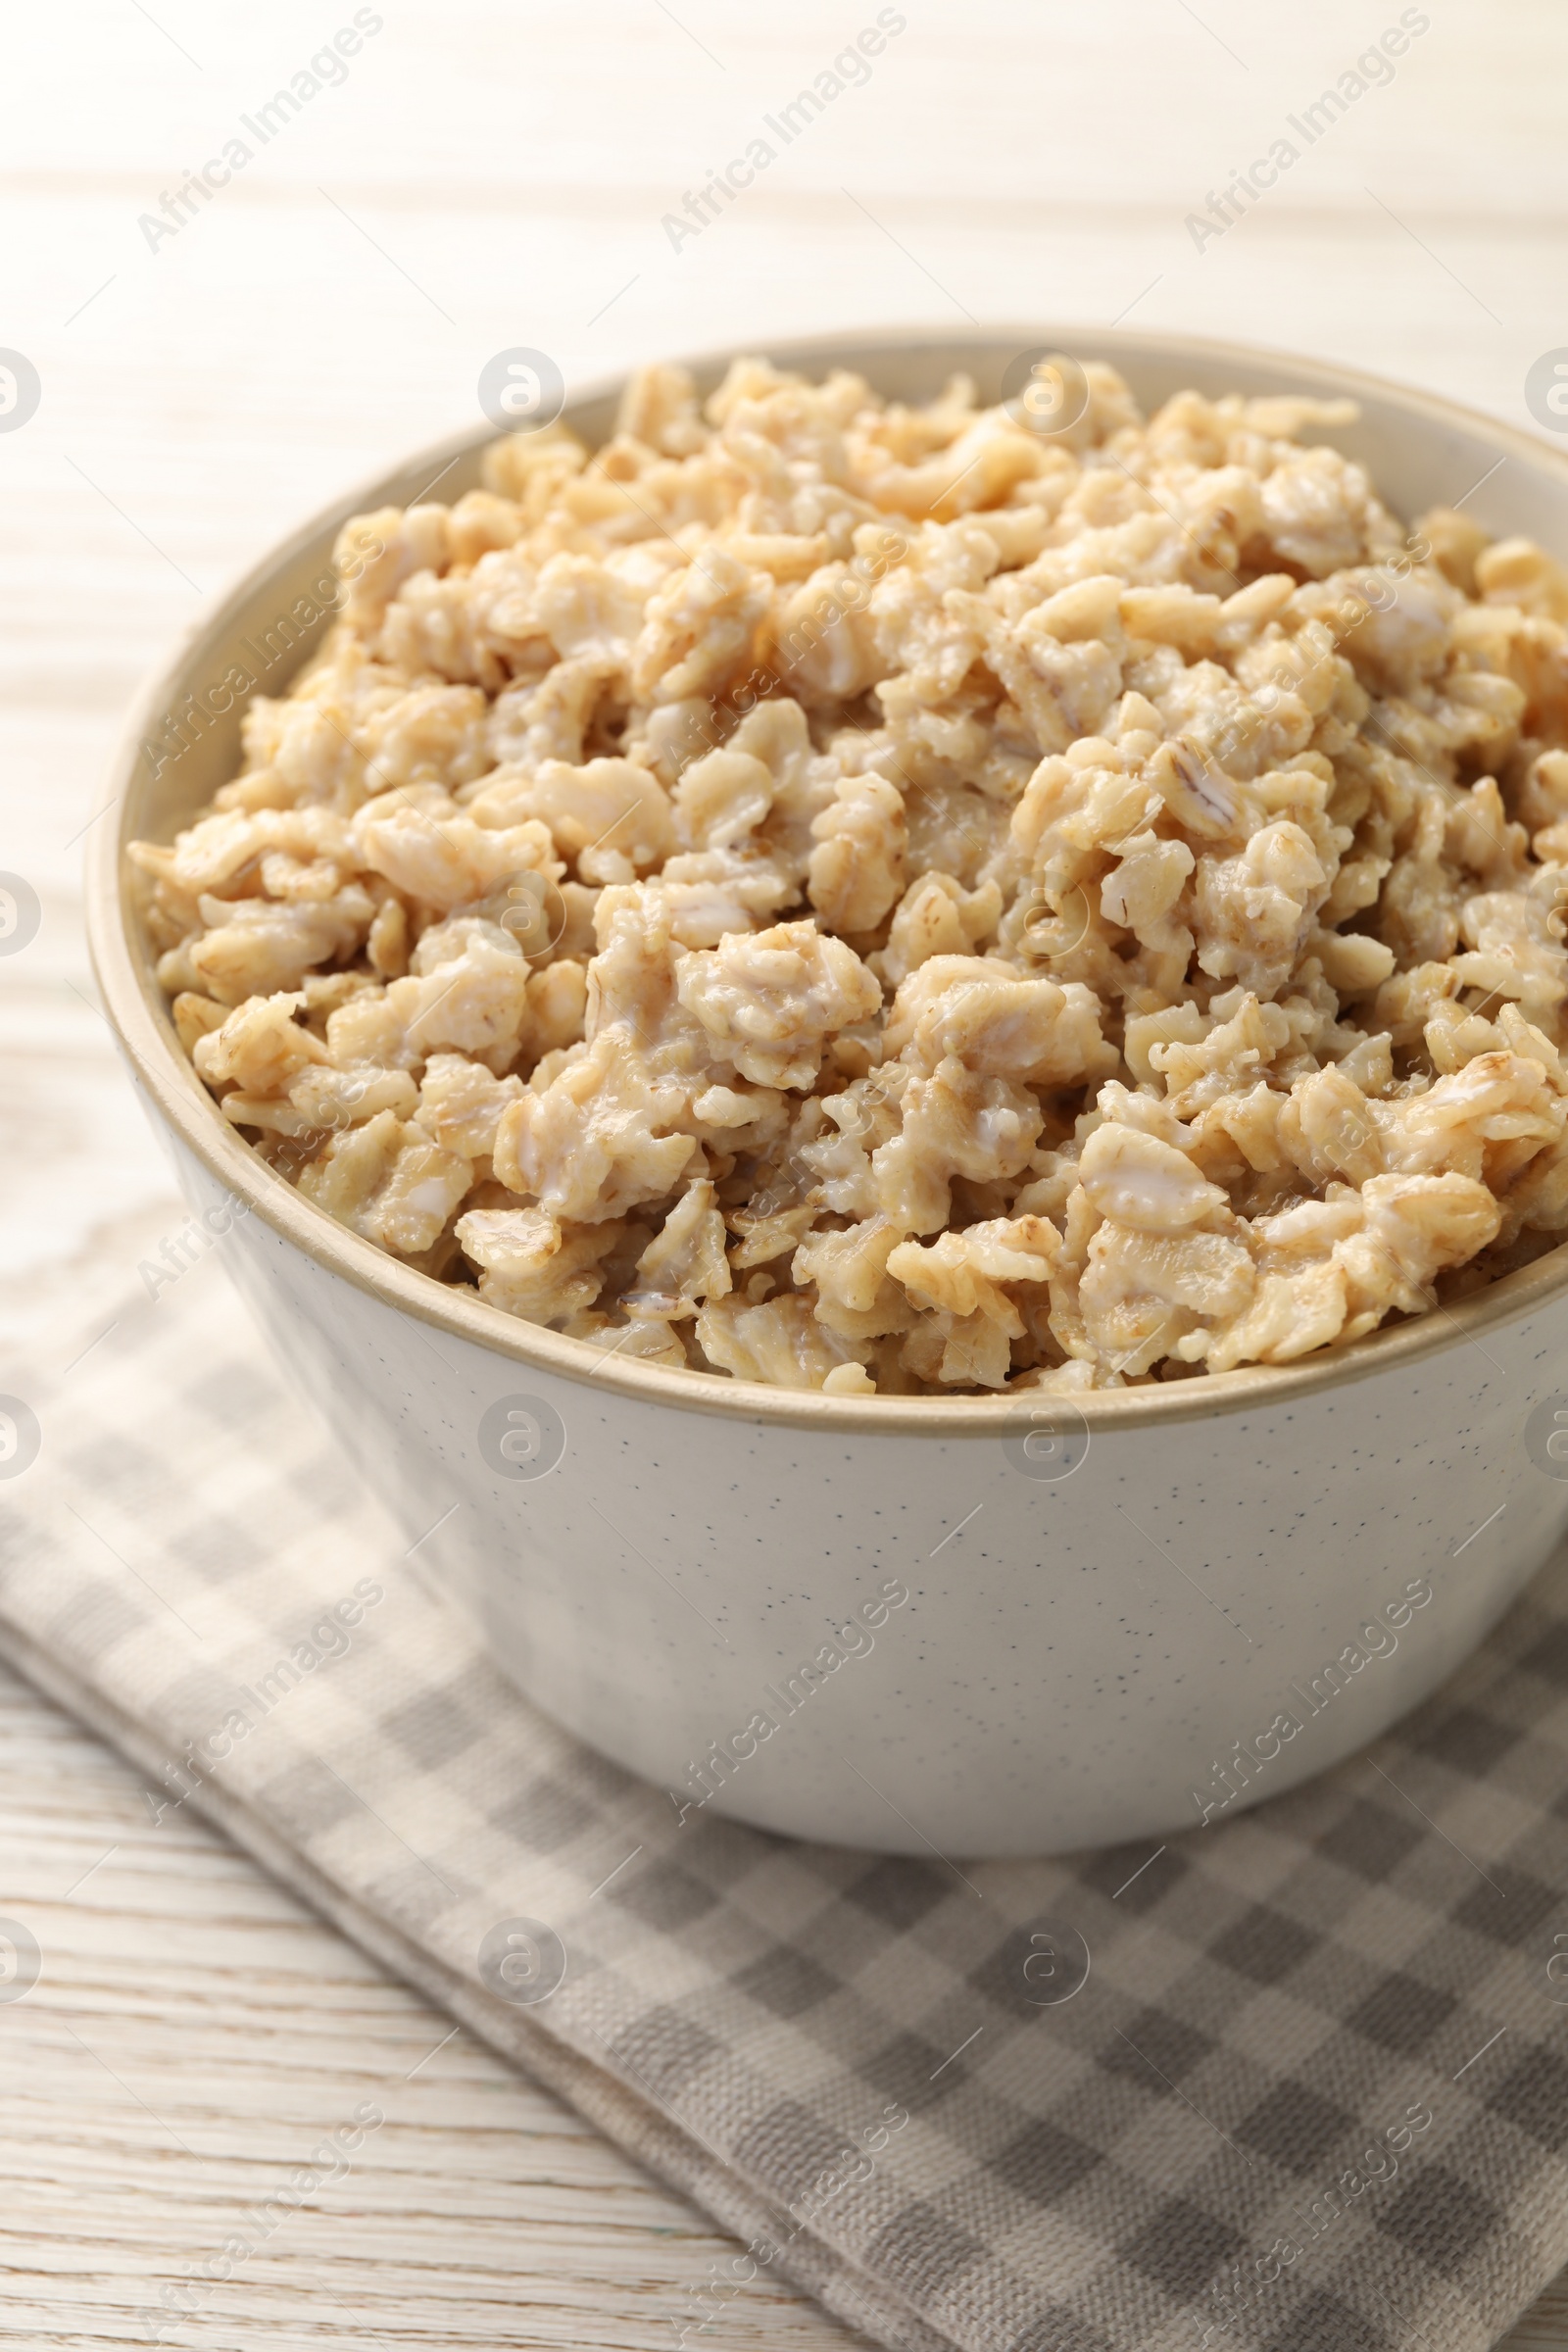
(1312, 2096)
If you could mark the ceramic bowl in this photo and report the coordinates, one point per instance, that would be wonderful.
(969, 1626)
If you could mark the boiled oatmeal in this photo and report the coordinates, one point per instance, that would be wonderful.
(867, 898)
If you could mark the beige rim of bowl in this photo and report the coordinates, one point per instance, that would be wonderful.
(140, 1015)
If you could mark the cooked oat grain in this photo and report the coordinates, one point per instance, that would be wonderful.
(847, 896)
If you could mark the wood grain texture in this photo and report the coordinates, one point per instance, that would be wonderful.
(194, 2035)
(487, 177)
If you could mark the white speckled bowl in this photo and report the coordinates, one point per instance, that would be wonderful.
(703, 1578)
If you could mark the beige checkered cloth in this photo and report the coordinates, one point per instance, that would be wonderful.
(1313, 2096)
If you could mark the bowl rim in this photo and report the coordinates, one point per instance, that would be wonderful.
(138, 1014)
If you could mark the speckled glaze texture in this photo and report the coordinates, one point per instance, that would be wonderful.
(922, 1623)
(1078, 1655)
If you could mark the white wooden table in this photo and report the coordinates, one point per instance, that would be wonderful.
(483, 177)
